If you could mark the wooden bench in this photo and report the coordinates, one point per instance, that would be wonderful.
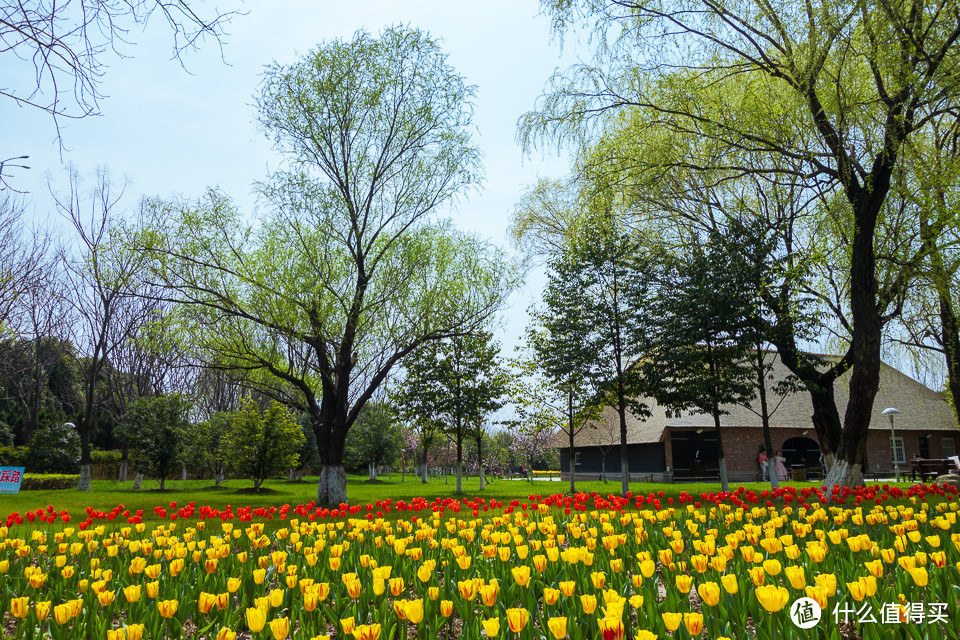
(930, 468)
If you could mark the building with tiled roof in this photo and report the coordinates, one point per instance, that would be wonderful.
(685, 446)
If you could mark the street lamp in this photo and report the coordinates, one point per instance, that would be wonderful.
(893, 446)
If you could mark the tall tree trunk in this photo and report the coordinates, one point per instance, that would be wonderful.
(372, 471)
(572, 462)
(949, 323)
(765, 415)
(865, 347)
(330, 428)
(820, 385)
(724, 484)
(624, 455)
(163, 482)
(826, 419)
(332, 486)
(459, 462)
(84, 484)
(480, 461)
(123, 471)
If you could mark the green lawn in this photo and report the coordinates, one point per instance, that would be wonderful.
(105, 495)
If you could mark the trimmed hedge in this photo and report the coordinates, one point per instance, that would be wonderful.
(106, 457)
(13, 456)
(46, 481)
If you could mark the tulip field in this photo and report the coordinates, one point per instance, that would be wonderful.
(878, 562)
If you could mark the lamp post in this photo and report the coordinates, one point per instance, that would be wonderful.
(893, 446)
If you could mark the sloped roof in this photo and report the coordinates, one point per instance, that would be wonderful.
(921, 409)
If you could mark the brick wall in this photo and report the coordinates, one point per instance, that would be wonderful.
(741, 446)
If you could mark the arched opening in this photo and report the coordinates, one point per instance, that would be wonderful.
(801, 452)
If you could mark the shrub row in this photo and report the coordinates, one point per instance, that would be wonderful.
(20, 457)
(41, 481)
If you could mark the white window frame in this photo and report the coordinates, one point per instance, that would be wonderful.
(899, 453)
(576, 459)
(948, 446)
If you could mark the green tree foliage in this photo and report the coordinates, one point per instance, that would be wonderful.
(455, 384)
(706, 337)
(552, 390)
(829, 93)
(54, 448)
(600, 293)
(205, 445)
(351, 271)
(156, 429)
(262, 443)
(41, 384)
(375, 438)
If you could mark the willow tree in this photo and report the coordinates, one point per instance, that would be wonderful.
(860, 79)
(350, 271)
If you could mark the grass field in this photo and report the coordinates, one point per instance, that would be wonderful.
(106, 495)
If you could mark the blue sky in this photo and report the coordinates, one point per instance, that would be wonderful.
(173, 131)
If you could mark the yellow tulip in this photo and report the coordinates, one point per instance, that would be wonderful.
(598, 579)
(348, 624)
(488, 594)
(135, 631)
(693, 622)
(396, 586)
(875, 567)
(672, 620)
(256, 619)
(772, 567)
(168, 608)
(233, 584)
(550, 596)
(643, 634)
(730, 584)
(226, 633)
(366, 632)
(858, 590)
(558, 627)
(647, 568)
(817, 593)
(517, 619)
(206, 602)
(795, 575)
(521, 575)
(757, 576)
(919, 575)
(153, 589)
(280, 628)
(61, 613)
(772, 598)
(828, 581)
(131, 593)
(684, 582)
(106, 597)
(567, 587)
(588, 602)
(709, 593)
(414, 610)
(491, 626)
(42, 610)
(446, 608)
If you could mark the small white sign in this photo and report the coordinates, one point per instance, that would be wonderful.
(805, 613)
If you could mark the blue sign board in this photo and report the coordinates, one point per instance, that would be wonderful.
(10, 479)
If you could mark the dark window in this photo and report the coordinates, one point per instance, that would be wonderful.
(924, 446)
